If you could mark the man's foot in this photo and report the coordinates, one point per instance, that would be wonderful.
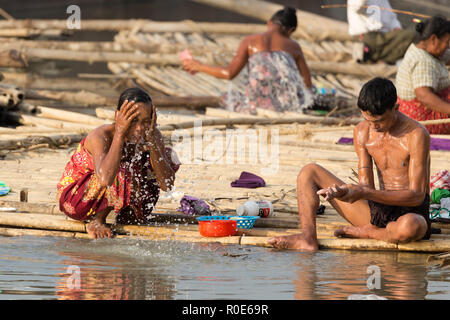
(353, 232)
(295, 241)
(97, 229)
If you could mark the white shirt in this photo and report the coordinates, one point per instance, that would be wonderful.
(363, 20)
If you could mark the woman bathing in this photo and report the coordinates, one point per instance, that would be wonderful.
(120, 166)
(278, 76)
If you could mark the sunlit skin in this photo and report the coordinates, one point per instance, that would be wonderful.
(399, 147)
(271, 40)
(436, 47)
(134, 131)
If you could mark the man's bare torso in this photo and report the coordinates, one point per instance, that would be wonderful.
(391, 153)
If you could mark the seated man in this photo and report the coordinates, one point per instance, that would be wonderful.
(375, 25)
(120, 166)
(400, 149)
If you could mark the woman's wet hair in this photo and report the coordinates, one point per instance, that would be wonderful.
(437, 25)
(377, 96)
(286, 18)
(135, 94)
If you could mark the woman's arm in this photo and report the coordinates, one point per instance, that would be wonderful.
(303, 68)
(430, 100)
(165, 174)
(228, 72)
(106, 154)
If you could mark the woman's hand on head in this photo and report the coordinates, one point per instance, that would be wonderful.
(124, 117)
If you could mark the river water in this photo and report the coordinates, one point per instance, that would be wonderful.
(134, 269)
(59, 268)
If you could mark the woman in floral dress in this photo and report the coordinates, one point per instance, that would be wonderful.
(277, 78)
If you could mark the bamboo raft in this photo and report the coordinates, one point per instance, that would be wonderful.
(55, 112)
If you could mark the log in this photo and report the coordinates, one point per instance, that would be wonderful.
(17, 32)
(179, 233)
(33, 81)
(83, 97)
(14, 43)
(13, 59)
(13, 94)
(18, 232)
(260, 121)
(45, 208)
(56, 114)
(352, 68)
(51, 140)
(108, 114)
(314, 25)
(91, 56)
(30, 120)
(150, 26)
(41, 221)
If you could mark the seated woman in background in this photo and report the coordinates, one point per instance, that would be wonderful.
(278, 77)
(120, 166)
(423, 82)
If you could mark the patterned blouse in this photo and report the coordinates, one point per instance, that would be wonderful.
(273, 82)
(420, 69)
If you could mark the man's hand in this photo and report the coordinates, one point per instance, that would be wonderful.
(347, 193)
(128, 111)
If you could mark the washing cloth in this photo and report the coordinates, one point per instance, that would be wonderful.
(194, 206)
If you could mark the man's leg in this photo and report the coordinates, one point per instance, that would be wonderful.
(407, 228)
(312, 178)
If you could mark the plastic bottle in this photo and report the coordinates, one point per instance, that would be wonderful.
(262, 208)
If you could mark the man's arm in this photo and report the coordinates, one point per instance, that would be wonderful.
(419, 163)
(365, 163)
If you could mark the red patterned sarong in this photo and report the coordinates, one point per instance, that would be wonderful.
(417, 111)
(80, 194)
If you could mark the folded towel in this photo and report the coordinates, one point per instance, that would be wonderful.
(248, 180)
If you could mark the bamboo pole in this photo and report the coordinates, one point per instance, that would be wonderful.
(33, 81)
(41, 221)
(142, 24)
(15, 43)
(259, 121)
(30, 120)
(45, 208)
(83, 97)
(94, 56)
(314, 25)
(52, 140)
(51, 222)
(62, 115)
(13, 59)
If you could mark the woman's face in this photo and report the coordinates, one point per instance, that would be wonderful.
(437, 46)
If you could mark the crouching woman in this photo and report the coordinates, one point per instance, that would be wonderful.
(120, 166)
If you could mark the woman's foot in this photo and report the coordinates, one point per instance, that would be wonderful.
(98, 229)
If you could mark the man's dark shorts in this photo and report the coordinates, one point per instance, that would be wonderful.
(382, 214)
